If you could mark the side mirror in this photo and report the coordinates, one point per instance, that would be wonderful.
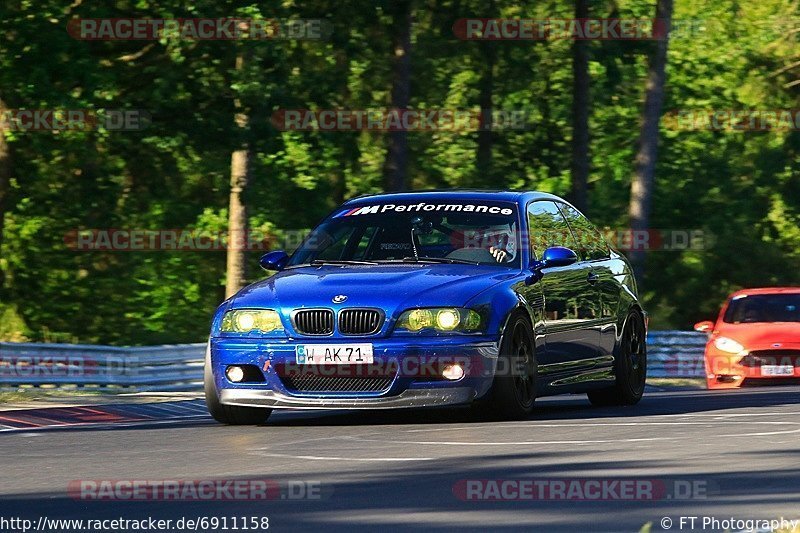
(274, 260)
(704, 327)
(556, 256)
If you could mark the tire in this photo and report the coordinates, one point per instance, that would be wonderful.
(514, 389)
(630, 367)
(233, 415)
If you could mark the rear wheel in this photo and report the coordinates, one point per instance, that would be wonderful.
(229, 414)
(630, 367)
(514, 388)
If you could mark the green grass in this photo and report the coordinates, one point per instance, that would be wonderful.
(41, 393)
(694, 383)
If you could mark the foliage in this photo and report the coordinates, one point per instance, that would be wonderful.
(742, 187)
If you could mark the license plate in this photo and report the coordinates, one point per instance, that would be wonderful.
(333, 354)
(777, 370)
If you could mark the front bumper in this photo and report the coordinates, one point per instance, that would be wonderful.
(407, 398)
(410, 365)
(755, 366)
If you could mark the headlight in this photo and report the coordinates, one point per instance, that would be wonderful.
(725, 344)
(247, 320)
(447, 319)
(440, 319)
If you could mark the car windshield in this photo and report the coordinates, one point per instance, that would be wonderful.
(448, 232)
(763, 308)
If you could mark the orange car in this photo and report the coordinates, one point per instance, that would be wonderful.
(756, 339)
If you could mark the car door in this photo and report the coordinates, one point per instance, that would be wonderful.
(595, 252)
(570, 299)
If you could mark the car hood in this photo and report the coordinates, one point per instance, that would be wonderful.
(759, 334)
(392, 288)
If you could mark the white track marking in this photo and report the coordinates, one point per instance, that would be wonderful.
(534, 425)
(591, 441)
(364, 459)
(103, 425)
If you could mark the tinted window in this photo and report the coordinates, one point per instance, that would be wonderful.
(547, 227)
(591, 244)
(382, 232)
(763, 308)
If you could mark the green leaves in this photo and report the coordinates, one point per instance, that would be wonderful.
(741, 186)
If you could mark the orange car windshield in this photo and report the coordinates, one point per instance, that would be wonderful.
(763, 308)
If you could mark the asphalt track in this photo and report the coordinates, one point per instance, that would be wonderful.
(722, 454)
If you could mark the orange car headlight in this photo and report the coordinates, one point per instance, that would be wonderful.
(724, 344)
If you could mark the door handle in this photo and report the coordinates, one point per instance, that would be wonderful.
(592, 278)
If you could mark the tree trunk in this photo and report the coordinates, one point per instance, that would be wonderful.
(483, 162)
(580, 114)
(395, 167)
(237, 210)
(5, 184)
(644, 166)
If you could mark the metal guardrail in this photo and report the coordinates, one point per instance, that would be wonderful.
(152, 368)
(180, 367)
(676, 354)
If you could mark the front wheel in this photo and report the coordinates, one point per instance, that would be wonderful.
(229, 414)
(630, 367)
(514, 388)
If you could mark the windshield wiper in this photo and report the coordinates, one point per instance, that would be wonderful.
(320, 262)
(447, 260)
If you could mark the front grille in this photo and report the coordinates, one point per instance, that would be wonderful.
(314, 321)
(360, 321)
(339, 378)
(771, 357)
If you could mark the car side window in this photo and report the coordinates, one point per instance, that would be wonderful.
(591, 244)
(547, 227)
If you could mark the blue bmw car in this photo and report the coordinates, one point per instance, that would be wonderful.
(435, 298)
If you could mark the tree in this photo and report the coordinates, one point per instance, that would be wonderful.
(5, 181)
(395, 169)
(236, 270)
(645, 163)
(486, 82)
(580, 113)
(483, 159)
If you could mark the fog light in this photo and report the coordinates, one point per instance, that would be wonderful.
(235, 373)
(453, 372)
